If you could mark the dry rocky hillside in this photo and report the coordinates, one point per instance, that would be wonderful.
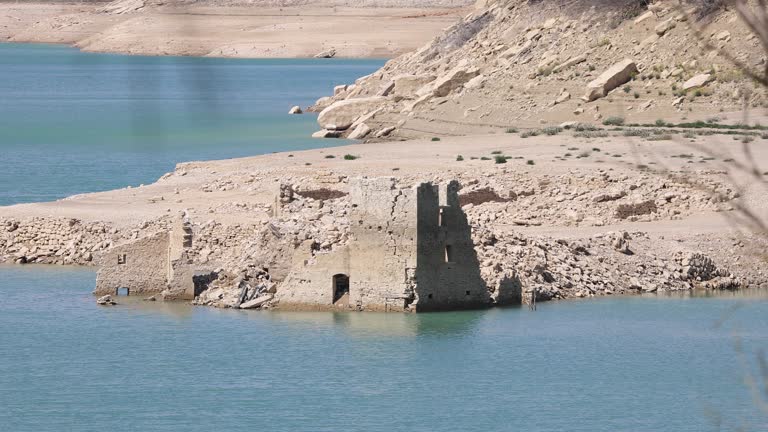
(519, 63)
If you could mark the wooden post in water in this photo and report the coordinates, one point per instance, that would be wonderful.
(532, 304)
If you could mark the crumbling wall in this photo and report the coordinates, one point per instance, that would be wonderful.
(141, 266)
(448, 271)
(383, 248)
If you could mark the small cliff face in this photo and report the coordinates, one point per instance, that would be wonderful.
(517, 63)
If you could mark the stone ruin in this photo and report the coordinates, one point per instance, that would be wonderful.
(410, 249)
(159, 263)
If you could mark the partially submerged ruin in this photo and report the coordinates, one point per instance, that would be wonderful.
(154, 264)
(410, 249)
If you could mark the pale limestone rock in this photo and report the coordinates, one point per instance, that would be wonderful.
(406, 85)
(296, 110)
(697, 81)
(643, 17)
(664, 27)
(361, 131)
(573, 61)
(346, 111)
(449, 82)
(329, 53)
(256, 303)
(324, 133)
(615, 76)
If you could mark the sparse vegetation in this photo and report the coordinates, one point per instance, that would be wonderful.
(330, 156)
(511, 130)
(500, 159)
(434, 139)
(530, 162)
(350, 157)
(459, 158)
(530, 133)
(591, 134)
(614, 121)
(552, 130)
(496, 152)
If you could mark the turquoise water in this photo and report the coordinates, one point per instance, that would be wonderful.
(621, 364)
(73, 122)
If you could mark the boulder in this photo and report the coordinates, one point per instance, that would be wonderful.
(573, 61)
(105, 301)
(346, 111)
(384, 132)
(256, 303)
(325, 133)
(697, 81)
(296, 110)
(616, 75)
(666, 26)
(329, 53)
(361, 131)
(339, 89)
(406, 85)
(449, 82)
(643, 17)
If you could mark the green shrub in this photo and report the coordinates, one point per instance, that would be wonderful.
(614, 121)
(330, 156)
(459, 158)
(530, 162)
(511, 130)
(350, 157)
(500, 159)
(485, 158)
(530, 133)
(496, 152)
(627, 89)
(637, 95)
(435, 139)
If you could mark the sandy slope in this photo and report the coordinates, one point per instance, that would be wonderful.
(236, 31)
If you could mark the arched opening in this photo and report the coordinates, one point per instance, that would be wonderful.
(123, 291)
(341, 289)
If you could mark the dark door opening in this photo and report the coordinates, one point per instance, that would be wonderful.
(341, 289)
(123, 291)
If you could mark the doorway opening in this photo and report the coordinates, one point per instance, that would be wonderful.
(341, 289)
(123, 291)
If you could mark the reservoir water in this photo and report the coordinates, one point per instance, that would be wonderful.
(621, 364)
(72, 122)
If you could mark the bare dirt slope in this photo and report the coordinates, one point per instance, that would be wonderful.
(231, 28)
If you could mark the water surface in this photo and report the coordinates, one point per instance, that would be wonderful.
(622, 364)
(73, 122)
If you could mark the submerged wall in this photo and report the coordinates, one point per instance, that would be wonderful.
(141, 266)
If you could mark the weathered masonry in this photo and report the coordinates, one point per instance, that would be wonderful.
(411, 250)
(159, 263)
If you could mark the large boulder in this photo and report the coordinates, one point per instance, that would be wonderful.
(698, 81)
(616, 75)
(406, 85)
(343, 113)
(449, 82)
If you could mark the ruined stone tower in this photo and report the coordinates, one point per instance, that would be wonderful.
(411, 249)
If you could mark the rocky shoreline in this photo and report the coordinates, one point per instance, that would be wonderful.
(594, 253)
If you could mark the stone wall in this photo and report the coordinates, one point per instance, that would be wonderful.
(408, 247)
(447, 271)
(383, 247)
(141, 266)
